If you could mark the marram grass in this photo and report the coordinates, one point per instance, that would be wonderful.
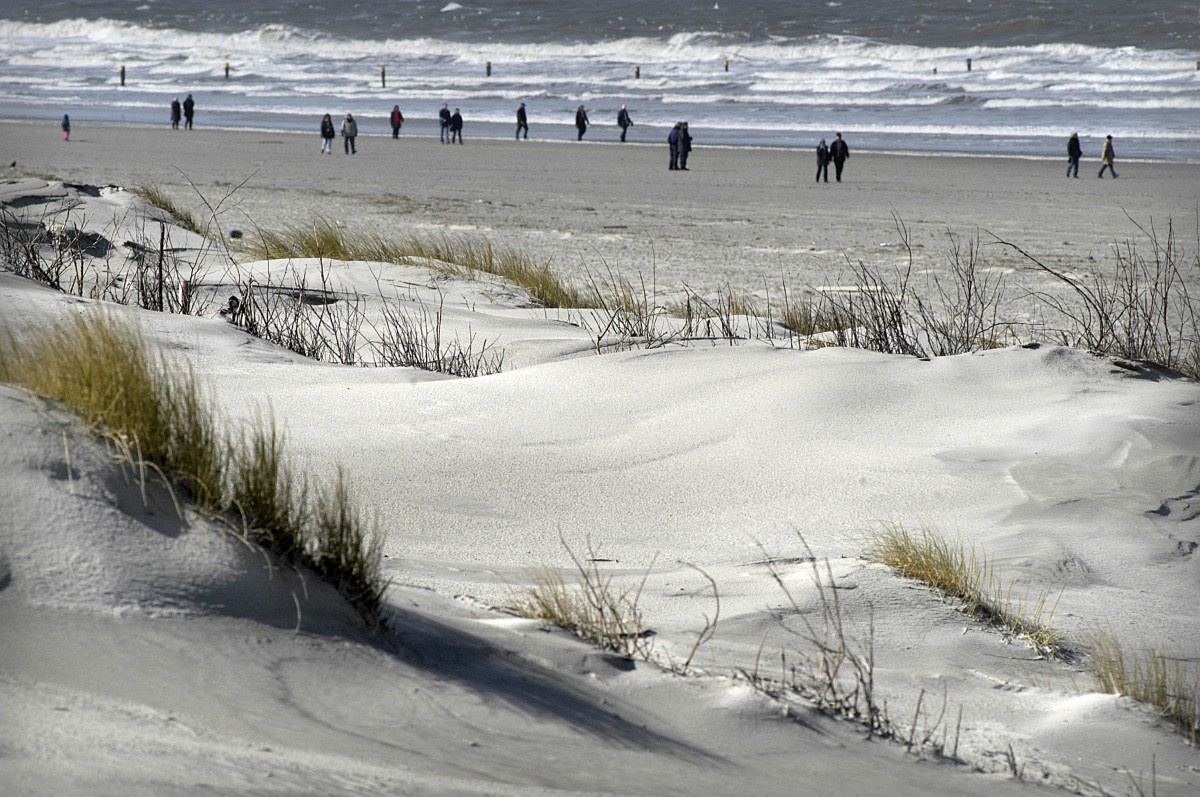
(1168, 683)
(157, 197)
(592, 608)
(460, 256)
(957, 572)
(105, 372)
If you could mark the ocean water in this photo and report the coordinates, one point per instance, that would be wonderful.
(891, 76)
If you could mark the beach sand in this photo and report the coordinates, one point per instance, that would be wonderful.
(740, 217)
(154, 656)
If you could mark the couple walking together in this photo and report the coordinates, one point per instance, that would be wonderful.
(349, 135)
(451, 125)
(839, 153)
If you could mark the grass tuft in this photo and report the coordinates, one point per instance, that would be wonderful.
(592, 608)
(159, 198)
(158, 416)
(957, 572)
(1153, 677)
(460, 256)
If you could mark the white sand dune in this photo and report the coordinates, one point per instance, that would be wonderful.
(148, 653)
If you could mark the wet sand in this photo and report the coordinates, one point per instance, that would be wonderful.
(744, 217)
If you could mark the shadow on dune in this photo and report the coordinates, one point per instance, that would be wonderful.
(493, 671)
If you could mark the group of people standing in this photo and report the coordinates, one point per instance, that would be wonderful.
(839, 153)
(1074, 152)
(680, 142)
(186, 111)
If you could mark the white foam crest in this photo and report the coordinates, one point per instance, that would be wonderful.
(837, 52)
(1008, 131)
(1137, 103)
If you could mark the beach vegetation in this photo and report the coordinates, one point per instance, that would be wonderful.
(60, 249)
(50, 250)
(956, 311)
(1169, 683)
(830, 666)
(460, 256)
(957, 572)
(625, 315)
(159, 198)
(414, 337)
(312, 320)
(726, 315)
(833, 666)
(807, 316)
(1139, 308)
(589, 605)
(159, 418)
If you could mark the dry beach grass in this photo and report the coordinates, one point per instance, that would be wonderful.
(158, 418)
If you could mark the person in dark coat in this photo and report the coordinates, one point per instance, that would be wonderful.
(444, 121)
(327, 135)
(189, 111)
(624, 121)
(176, 113)
(685, 146)
(397, 120)
(673, 142)
(456, 123)
(840, 153)
(822, 161)
(522, 121)
(581, 122)
(66, 127)
(1074, 153)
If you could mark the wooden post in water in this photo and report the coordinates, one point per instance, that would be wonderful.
(122, 74)
(489, 68)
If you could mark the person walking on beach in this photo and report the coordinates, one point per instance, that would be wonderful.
(397, 120)
(840, 153)
(522, 121)
(581, 122)
(624, 122)
(349, 134)
(685, 146)
(327, 135)
(673, 143)
(189, 111)
(1074, 153)
(176, 113)
(66, 127)
(1107, 157)
(456, 127)
(444, 121)
(822, 161)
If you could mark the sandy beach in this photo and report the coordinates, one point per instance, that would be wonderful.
(736, 482)
(741, 217)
